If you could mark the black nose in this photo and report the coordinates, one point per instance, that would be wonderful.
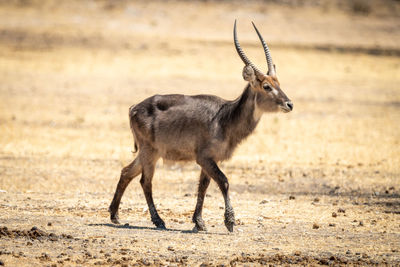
(289, 105)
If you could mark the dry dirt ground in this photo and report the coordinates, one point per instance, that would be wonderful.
(320, 185)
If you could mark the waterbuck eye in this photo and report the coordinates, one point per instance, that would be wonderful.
(267, 87)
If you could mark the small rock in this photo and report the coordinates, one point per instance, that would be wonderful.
(332, 225)
(239, 222)
(324, 261)
(53, 237)
(315, 226)
(297, 253)
(187, 195)
(1, 263)
(292, 197)
(170, 248)
(49, 224)
(316, 199)
(361, 223)
(334, 214)
(45, 257)
(126, 225)
(340, 210)
(264, 201)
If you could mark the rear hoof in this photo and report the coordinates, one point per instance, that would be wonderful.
(115, 219)
(114, 216)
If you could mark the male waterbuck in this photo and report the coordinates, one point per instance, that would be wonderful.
(201, 128)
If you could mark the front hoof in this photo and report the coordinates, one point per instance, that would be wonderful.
(229, 226)
(200, 226)
(159, 224)
(229, 220)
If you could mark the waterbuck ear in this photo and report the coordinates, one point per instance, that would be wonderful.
(248, 74)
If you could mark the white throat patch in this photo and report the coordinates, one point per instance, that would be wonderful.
(257, 111)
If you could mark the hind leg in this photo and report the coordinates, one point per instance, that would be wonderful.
(149, 159)
(127, 175)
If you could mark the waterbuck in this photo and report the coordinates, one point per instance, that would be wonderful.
(201, 128)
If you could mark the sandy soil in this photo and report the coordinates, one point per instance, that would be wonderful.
(317, 186)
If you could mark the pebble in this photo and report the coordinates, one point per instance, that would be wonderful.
(292, 197)
(340, 210)
(334, 214)
(315, 226)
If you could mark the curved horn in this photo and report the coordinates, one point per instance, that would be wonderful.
(271, 67)
(245, 60)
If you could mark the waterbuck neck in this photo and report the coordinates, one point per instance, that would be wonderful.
(238, 118)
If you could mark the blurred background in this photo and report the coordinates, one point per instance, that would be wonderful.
(69, 71)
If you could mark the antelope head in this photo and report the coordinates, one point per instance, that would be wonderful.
(269, 95)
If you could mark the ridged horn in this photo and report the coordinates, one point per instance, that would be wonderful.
(271, 67)
(242, 55)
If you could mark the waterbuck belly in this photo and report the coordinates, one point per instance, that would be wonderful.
(177, 155)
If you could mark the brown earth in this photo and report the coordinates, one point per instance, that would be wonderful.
(317, 186)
